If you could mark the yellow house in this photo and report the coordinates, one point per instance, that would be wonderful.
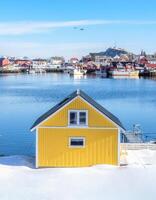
(77, 132)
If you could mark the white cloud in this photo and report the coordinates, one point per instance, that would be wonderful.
(68, 50)
(33, 49)
(23, 27)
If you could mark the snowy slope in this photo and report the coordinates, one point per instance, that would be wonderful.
(135, 180)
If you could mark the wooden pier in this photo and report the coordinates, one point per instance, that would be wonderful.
(132, 138)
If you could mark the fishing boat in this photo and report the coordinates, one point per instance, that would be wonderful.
(124, 73)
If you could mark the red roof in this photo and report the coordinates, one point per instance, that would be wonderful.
(151, 65)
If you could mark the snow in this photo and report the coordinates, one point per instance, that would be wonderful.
(134, 179)
(141, 157)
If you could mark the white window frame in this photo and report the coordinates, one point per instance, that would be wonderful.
(78, 146)
(78, 118)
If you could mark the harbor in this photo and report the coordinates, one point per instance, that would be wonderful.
(113, 62)
(105, 72)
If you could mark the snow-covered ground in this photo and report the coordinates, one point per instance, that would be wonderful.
(135, 179)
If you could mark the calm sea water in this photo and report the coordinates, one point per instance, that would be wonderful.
(23, 98)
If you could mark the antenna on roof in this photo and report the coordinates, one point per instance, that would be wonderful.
(78, 91)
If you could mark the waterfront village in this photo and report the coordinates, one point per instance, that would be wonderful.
(112, 62)
(79, 149)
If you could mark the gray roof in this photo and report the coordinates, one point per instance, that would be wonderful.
(85, 97)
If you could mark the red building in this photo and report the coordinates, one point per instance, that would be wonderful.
(23, 62)
(151, 66)
(143, 60)
(4, 62)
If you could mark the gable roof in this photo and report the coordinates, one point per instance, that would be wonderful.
(70, 98)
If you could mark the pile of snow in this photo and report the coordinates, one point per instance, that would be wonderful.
(139, 158)
(135, 180)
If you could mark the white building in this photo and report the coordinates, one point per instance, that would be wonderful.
(152, 60)
(102, 60)
(39, 63)
(56, 62)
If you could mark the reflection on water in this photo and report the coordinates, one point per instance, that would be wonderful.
(24, 97)
(78, 77)
(125, 77)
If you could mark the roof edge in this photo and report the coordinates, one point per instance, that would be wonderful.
(33, 127)
(68, 99)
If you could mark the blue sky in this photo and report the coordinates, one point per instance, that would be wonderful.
(45, 28)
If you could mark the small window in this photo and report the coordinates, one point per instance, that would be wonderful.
(82, 118)
(73, 118)
(78, 117)
(77, 142)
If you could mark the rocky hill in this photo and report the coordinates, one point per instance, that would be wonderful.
(112, 52)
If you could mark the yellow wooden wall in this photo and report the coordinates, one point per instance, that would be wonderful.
(95, 119)
(53, 150)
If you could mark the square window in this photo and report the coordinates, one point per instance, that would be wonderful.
(78, 118)
(76, 142)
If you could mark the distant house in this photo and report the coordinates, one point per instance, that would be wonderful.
(152, 61)
(86, 59)
(56, 62)
(39, 63)
(143, 60)
(77, 132)
(102, 60)
(74, 61)
(23, 62)
(4, 62)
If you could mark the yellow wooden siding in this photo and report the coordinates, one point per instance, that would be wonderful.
(95, 119)
(53, 150)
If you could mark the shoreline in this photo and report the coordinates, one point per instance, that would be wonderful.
(92, 73)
